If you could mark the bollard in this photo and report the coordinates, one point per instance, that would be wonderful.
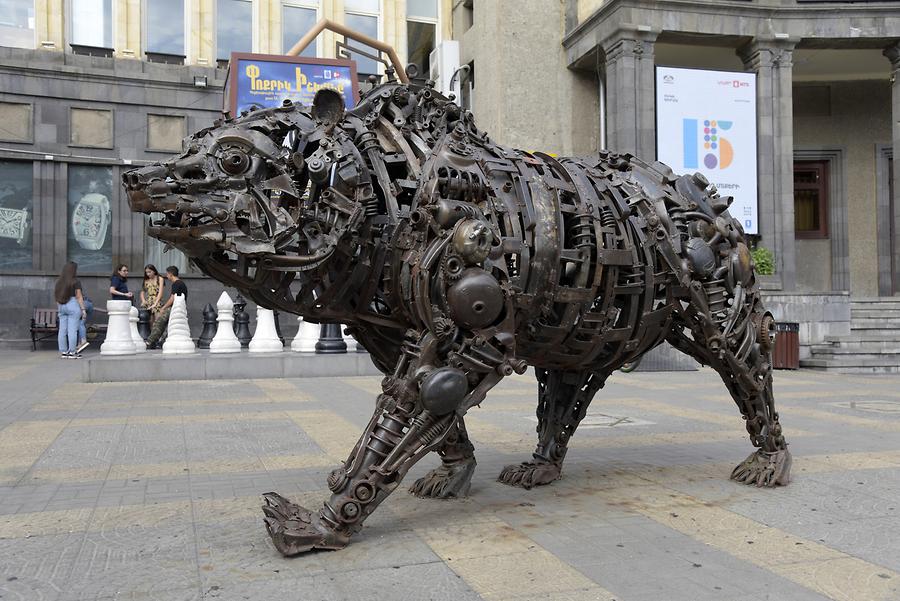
(330, 340)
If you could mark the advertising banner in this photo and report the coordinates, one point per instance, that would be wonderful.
(265, 80)
(706, 122)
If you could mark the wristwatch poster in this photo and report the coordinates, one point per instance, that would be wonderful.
(90, 221)
(15, 224)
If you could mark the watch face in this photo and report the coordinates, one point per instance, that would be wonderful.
(87, 220)
(90, 219)
(13, 223)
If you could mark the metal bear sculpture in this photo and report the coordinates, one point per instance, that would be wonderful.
(457, 262)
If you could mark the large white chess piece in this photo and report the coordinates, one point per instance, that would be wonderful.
(306, 338)
(139, 345)
(225, 340)
(265, 338)
(178, 334)
(118, 330)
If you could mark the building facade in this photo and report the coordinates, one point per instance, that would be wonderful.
(92, 88)
(576, 75)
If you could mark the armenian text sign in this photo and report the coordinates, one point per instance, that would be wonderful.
(706, 122)
(264, 80)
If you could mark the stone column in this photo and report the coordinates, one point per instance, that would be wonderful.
(630, 112)
(771, 61)
(893, 54)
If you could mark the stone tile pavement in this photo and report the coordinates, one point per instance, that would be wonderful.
(151, 491)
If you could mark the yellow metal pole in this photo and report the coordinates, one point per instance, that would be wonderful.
(307, 39)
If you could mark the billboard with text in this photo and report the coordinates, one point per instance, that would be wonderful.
(706, 122)
(264, 80)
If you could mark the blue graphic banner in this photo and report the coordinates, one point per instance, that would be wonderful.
(264, 83)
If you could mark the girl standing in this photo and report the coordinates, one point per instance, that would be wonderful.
(152, 291)
(70, 303)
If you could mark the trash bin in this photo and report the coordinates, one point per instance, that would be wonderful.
(786, 354)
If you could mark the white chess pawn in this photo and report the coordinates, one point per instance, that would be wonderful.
(139, 345)
(306, 338)
(178, 334)
(225, 340)
(349, 340)
(265, 338)
(118, 330)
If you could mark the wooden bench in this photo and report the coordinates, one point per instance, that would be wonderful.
(44, 325)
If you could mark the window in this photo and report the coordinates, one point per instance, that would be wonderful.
(165, 27)
(16, 214)
(91, 127)
(15, 122)
(90, 218)
(165, 132)
(92, 23)
(362, 16)
(811, 199)
(234, 27)
(156, 254)
(421, 34)
(296, 19)
(17, 23)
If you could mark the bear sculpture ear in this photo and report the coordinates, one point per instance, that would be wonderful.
(328, 107)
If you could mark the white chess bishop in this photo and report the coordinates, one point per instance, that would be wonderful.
(225, 341)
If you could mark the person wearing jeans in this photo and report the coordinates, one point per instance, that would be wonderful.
(82, 325)
(70, 303)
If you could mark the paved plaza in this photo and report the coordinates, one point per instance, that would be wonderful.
(151, 491)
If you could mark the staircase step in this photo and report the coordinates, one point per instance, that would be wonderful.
(868, 312)
(889, 348)
(855, 366)
(883, 323)
(871, 344)
(855, 354)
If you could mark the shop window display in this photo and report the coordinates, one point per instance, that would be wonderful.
(90, 218)
(16, 214)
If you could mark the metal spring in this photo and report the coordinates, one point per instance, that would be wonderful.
(367, 141)
(372, 207)
(460, 186)
(431, 433)
(581, 233)
(716, 296)
(607, 219)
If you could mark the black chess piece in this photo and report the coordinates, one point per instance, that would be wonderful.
(330, 340)
(278, 328)
(242, 322)
(210, 325)
(143, 324)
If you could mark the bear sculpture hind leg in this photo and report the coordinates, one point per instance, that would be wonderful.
(745, 364)
(563, 399)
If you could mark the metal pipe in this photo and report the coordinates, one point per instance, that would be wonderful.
(345, 31)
